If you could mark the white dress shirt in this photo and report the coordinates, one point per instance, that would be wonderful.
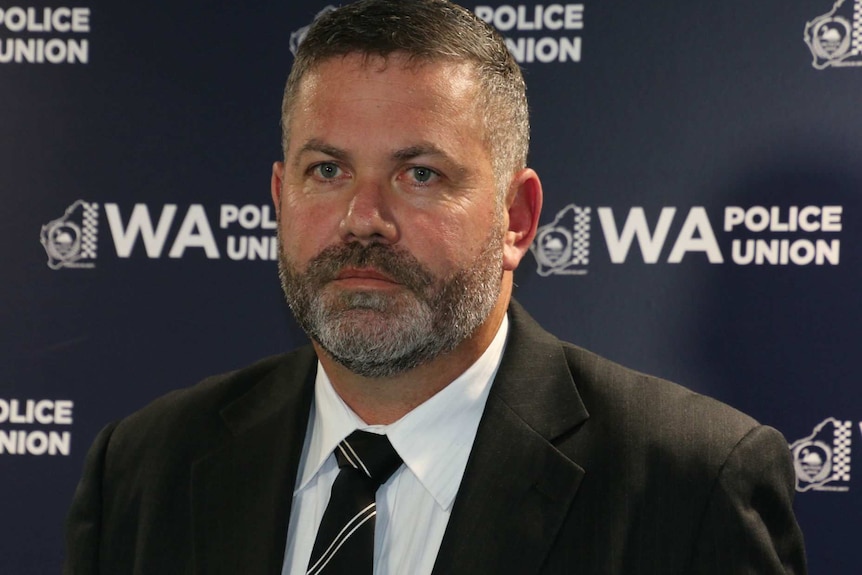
(413, 506)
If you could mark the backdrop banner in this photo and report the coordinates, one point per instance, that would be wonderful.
(702, 166)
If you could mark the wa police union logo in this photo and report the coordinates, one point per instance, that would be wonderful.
(297, 37)
(70, 241)
(835, 38)
(563, 246)
(822, 460)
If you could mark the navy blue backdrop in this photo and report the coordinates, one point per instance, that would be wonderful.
(702, 173)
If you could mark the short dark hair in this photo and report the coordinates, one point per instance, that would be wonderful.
(427, 30)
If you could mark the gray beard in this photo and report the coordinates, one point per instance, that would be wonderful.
(376, 334)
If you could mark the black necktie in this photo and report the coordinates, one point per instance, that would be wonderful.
(345, 539)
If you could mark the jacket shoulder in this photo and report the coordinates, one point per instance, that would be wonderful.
(653, 431)
(609, 388)
(192, 417)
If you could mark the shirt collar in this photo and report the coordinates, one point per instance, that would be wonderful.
(434, 440)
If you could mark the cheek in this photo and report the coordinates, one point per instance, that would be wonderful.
(306, 228)
(468, 227)
(445, 244)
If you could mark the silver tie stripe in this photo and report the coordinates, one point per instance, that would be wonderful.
(352, 505)
(355, 523)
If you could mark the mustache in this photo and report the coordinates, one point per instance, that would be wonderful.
(396, 263)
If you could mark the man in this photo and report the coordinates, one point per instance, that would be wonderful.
(404, 206)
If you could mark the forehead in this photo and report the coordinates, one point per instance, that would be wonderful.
(460, 71)
(437, 87)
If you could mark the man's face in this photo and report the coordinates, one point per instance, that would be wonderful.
(390, 228)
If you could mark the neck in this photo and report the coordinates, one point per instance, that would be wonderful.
(381, 401)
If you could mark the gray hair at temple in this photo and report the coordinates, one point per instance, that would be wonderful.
(427, 31)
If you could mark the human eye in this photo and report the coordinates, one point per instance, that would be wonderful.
(422, 175)
(326, 171)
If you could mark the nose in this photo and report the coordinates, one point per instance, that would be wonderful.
(369, 216)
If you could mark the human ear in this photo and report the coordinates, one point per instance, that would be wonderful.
(276, 184)
(523, 205)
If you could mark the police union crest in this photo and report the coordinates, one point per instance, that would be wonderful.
(70, 241)
(835, 38)
(822, 460)
(563, 246)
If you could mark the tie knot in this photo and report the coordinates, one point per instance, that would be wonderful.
(370, 453)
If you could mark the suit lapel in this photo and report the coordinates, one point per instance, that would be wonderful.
(517, 488)
(242, 492)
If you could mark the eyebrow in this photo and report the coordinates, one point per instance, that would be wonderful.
(416, 151)
(428, 150)
(315, 145)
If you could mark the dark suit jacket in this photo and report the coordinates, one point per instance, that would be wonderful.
(579, 466)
